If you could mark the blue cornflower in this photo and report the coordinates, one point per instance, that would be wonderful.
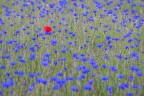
(82, 55)
(33, 38)
(108, 37)
(55, 63)
(70, 42)
(3, 67)
(121, 86)
(61, 82)
(114, 20)
(28, 33)
(106, 57)
(23, 29)
(87, 87)
(135, 86)
(30, 89)
(81, 77)
(60, 74)
(8, 74)
(126, 58)
(91, 27)
(96, 28)
(44, 82)
(109, 11)
(119, 56)
(32, 22)
(109, 3)
(102, 15)
(93, 75)
(13, 63)
(99, 45)
(126, 85)
(1, 41)
(126, 47)
(113, 68)
(137, 40)
(131, 78)
(32, 56)
(75, 14)
(120, 76)
(65, 68)
(87, 41)
(70, 78)
(17, 72)
(53, 42)
(11, 24)
(22, 61)
(134, 55)
(83, 67)
(116, 39)
(63, 50)
(44, 1)
(90, 82)
(47, 55)
(52, 21)
(1, 92)
(63, 2)
(134, 68)
(36, 44)
(78, 68)
(92, 61)
(6, 57)
(39, 80)
(7, 84)
(45, 63)
(32, 9)
(132, 46)
(129, 94)
(74, 89)
(85, 14)
(86, 71)
(84, 59)
(25, 5)
(59, 30)
(54, 78)
(56, 87)
(104, 66)
(104, 78)
(9, 42)
(130, 40)
(109, 88)
(32, 49)
(139, 73)
(66, 37)
(73, 35)
(133, 11)
(94, 66)
(76, 56)
(31, 75)
(83, 6)
(51, 5)
(62, 59)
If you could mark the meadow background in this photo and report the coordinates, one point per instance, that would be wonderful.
(96, 48)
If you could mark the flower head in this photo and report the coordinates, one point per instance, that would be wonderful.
(47, 29)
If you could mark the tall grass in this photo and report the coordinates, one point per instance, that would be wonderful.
(93, 64)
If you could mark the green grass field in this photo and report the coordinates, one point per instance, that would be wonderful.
(96, 48)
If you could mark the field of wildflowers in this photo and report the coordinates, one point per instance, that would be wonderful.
(71, 48)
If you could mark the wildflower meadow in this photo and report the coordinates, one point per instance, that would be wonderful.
(71, 47)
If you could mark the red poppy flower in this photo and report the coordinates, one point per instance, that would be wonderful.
(48, 29)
